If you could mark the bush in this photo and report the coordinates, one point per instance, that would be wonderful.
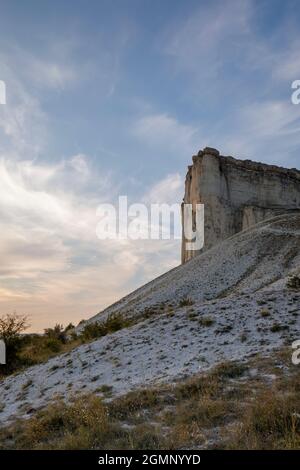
(229, 370)
(185, 302)
(53, 344)
(57, 333)
(11, 327)
(270, 422)
(206, 321)
(293, 282)
(114, 322)
(264, 312)
(80, 425)
(276, 327)
(83, 424)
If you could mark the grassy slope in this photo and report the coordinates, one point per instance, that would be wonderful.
(253, 406)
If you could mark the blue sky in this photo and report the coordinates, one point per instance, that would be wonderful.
(107, 98)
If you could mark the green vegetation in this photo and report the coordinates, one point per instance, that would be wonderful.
(26, 350)
(11, 328)
(113, 323)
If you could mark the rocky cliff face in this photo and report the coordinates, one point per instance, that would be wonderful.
(236, 194)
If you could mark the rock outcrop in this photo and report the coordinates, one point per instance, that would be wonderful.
(236, 194)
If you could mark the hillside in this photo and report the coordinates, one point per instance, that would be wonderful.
(229, 303)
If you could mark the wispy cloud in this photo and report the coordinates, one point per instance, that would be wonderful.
(50, 254)
(166, 132)
(286, 65)
(23, 127)
(50, 74)
(201, 41)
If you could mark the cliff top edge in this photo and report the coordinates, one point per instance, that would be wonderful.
(247, 164)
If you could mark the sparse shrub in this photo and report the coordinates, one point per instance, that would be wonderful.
(193, 316)
(205, 411)
(224, 329)
(146, 437)
(261, 302)
(134, 401)
(53, 344)
(92, 331)
(80, 425)
(69, 327)
(114, 322)
(271, 421)
(265, 312)
(206, 321)
(27, 384)
(194, 387)
(186, 302)
(150, 311)
(106, 389)
(276, 327)
(57, 333)
(229, 370)
(94, 378)
(293, 282)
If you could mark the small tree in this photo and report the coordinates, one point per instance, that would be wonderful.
(11, 327)
(57, 333)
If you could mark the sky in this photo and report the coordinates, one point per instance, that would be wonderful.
(113, 98)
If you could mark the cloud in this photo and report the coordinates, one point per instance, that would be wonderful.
(168, 191)
(53, 266)
(286, 65)
(80, 165)
(165, 132)
(23, 123)
(54, 69)
(200, 41)
(50, 74)
(271, 118)
(266, 131)
(237, 79)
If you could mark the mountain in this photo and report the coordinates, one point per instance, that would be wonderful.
(229, 303)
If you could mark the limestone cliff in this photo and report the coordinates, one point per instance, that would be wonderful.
(237, 194)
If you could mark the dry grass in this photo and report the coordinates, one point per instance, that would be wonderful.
(272, 421)
(83, 424)
(224, 408)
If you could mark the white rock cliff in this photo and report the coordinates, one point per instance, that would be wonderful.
(236, 194)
